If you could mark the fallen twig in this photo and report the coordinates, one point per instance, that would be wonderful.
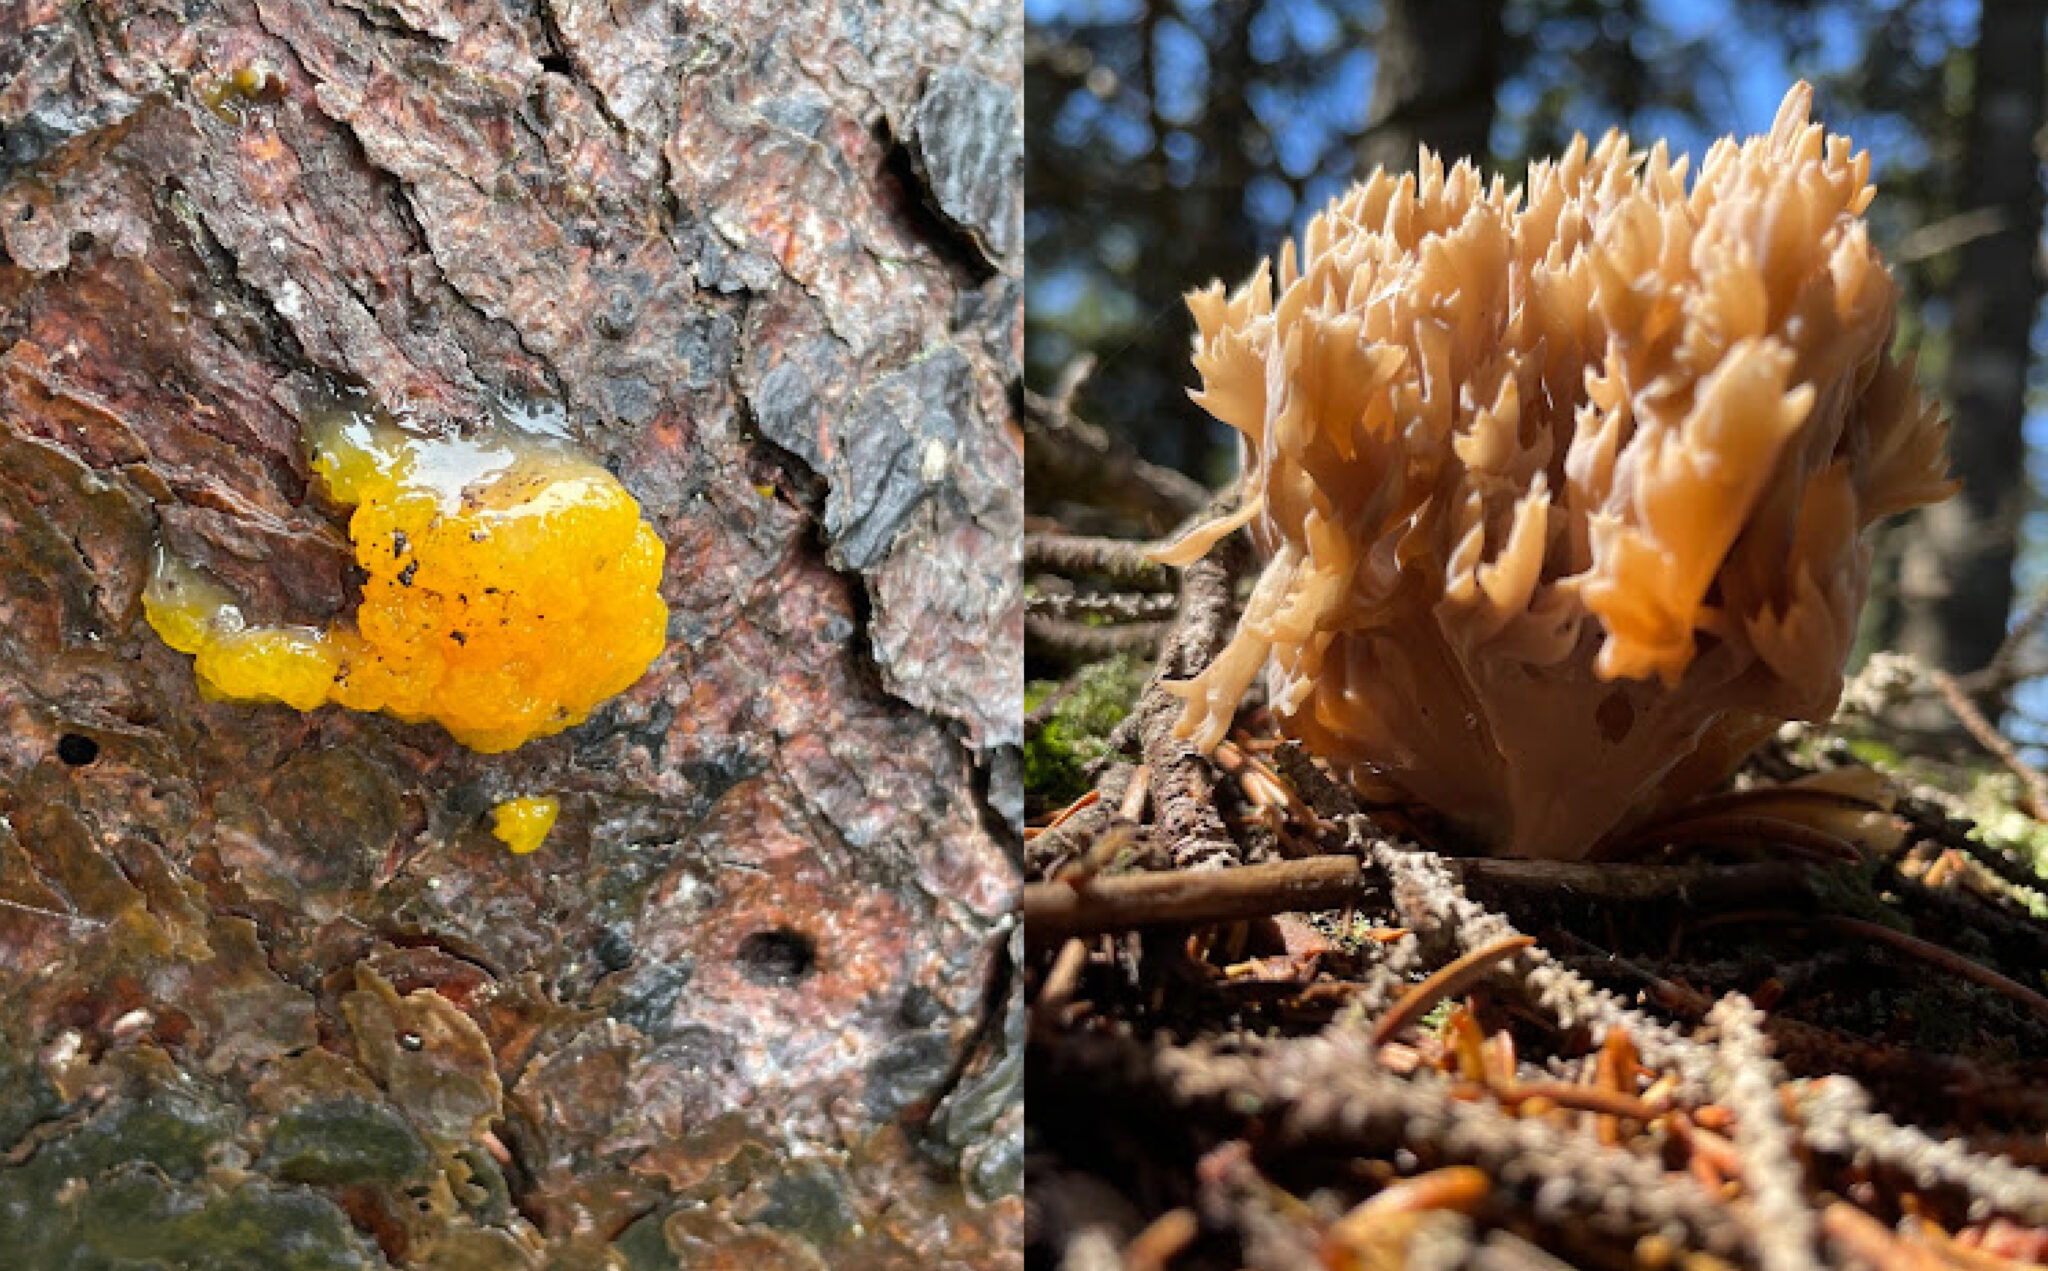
(1054, 911)
(1462, 972)
(1977, 726)
(1077, 641)
(1116, 559)
(1121, 902)
(1183, 781)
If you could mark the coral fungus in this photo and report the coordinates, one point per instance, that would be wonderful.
(509, 588)
(1564, 487)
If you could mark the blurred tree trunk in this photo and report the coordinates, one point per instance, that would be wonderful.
(1436, 70)
(1955, 583)
(270, 992)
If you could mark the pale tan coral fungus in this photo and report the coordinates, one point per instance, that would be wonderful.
(1564, 491)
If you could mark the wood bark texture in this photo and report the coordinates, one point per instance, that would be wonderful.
(270, 994)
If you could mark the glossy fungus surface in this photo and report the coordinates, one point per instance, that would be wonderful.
(523, 824)
(509, 586)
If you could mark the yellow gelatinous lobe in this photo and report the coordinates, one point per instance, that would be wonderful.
(510, 586)
(523, 823)
(185, 606)
(293, 665)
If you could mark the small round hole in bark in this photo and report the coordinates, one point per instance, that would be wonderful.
(77, 749)
(778, 956)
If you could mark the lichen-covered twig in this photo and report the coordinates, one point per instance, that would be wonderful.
(1079, 642)
(1183, 782)
(1111, 606)
(1835, 1117)
(1055, 848)
(1429, 898)
(1115, 559)
(1980, 729)
(1327, 1092)
(1745, 1081)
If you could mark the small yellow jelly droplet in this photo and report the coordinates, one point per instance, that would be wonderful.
(523, 823)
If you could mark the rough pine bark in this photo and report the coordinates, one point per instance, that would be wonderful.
(270, 994)
(1955, 581)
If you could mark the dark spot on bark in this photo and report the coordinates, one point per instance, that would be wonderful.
(919, 1009)
(782, 955)
(77, 749)
(399, 543)
(648, 1001)
(458, 637)
(812, 1201)
(909, 1074)
(405, 576)
(614, 949)
(792, 402)
(557, 63)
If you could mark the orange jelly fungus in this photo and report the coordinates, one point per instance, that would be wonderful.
(510, 587)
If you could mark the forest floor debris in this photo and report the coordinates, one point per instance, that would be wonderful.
(1799, 1025)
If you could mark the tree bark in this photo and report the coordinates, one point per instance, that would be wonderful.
(1955, 583)
(1436, 69)
(265, 977)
